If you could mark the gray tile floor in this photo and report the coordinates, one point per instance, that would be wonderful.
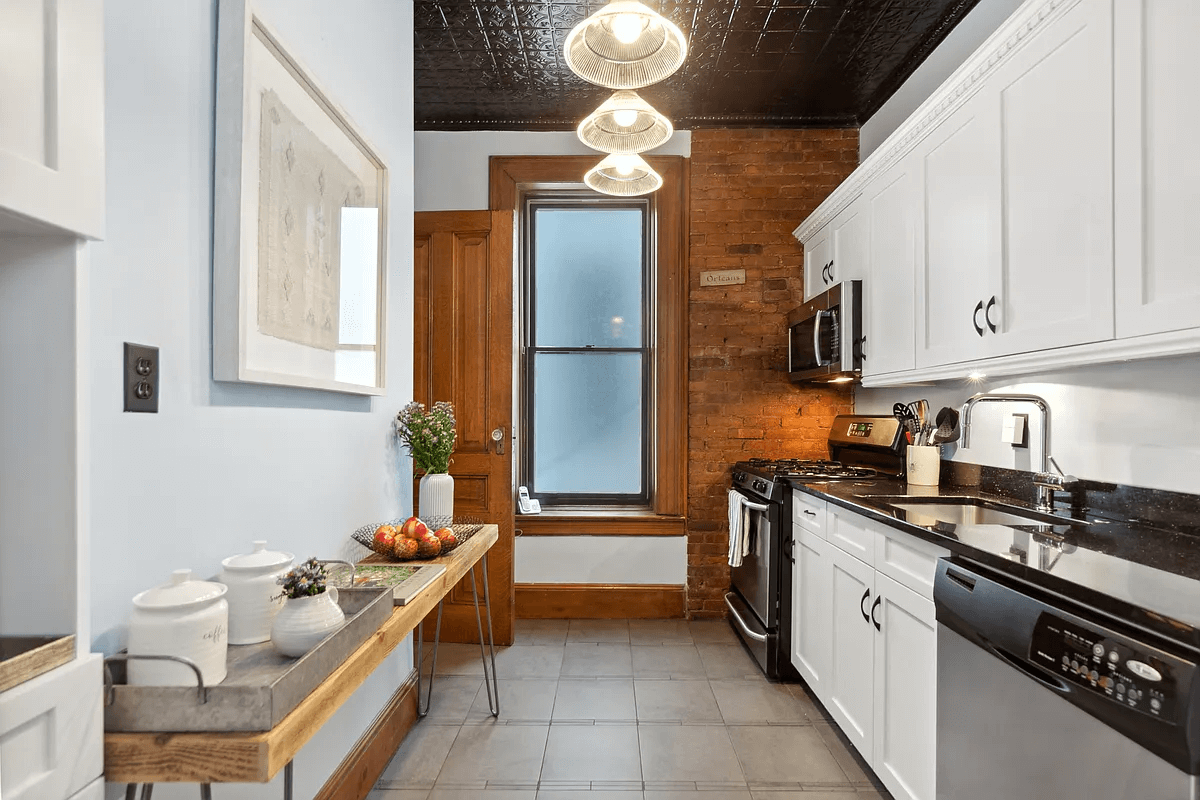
(622, 710)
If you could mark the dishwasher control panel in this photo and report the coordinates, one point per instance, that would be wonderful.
(1142, 678)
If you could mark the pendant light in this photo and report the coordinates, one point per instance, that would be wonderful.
(625, 45)
(623, 175)
(625, 123)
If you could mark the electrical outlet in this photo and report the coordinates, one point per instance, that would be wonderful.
(141, 378)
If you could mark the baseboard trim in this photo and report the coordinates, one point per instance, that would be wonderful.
(361, 768)
(599, 601)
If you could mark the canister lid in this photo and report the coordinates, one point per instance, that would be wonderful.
(181, 590)
(260, 558)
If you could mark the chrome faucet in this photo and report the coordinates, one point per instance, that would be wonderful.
(1045, 480)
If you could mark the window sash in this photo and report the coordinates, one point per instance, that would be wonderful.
(529, 353)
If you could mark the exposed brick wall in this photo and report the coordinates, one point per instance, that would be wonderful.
(749, 191)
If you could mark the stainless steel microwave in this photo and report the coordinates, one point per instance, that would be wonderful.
(825, 341)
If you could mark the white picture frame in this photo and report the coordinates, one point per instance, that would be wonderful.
(299, 224)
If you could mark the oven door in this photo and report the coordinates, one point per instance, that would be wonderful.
(754, 601)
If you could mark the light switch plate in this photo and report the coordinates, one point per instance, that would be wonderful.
(1015, 431)
(141, 378)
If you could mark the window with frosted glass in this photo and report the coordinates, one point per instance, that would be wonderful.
(586, 360)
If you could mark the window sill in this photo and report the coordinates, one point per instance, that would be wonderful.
(610, 523)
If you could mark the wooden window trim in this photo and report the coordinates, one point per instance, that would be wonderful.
(508, 178)
(590, 524)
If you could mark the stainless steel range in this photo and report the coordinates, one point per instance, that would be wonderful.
(760, 596)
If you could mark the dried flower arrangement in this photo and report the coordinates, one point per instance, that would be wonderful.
(430, 435)
(305, 580)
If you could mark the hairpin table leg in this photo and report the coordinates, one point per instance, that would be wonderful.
(287, 781)
(437, 636)
(492, 684)
(206, 791)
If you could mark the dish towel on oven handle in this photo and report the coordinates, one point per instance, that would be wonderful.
(739, 528)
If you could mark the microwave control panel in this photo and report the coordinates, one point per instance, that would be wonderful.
(1138, 677)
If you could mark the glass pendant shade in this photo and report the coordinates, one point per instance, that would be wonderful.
(623, 175)
(625, 45)
(625, 123)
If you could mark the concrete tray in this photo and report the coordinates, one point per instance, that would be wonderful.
(262, 686)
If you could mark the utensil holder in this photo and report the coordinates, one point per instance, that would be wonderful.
(923, 464)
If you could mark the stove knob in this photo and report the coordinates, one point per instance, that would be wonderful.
(760, 486)
(738, 477)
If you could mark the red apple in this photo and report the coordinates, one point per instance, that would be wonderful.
(413, 528)
(446, 537)
(385, 538)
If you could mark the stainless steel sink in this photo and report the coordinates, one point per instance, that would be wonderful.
(928, 512)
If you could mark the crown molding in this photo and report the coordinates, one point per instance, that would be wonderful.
(1025, 23)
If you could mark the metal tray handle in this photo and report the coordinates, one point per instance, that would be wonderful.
(110, 685)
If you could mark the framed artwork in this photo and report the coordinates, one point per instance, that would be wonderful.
(299, 224)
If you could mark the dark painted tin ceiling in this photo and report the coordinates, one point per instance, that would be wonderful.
(498, 65)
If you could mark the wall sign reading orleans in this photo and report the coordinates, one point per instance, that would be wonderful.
(724, 277)
(298, 224)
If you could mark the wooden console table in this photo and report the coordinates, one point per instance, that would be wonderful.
(209, 757)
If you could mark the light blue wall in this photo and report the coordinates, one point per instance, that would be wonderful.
(222, 464)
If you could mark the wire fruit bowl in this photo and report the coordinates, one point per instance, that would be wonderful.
(463, 530)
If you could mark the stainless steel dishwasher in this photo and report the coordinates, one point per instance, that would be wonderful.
(1040, 698)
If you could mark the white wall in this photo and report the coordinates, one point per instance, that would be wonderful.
(1136, 423)
(223, 464)
(965, 39)
(452, 175)
(452, 167)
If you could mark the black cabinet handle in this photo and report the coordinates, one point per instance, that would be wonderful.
(987, 315)
(878, 600)
(862, 605)
(860, 345)
(975, 318)
(788, 544)
(831, 272)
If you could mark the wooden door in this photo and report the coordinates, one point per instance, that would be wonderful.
(462, 352)
(905, 691)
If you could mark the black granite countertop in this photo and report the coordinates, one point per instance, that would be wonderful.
(1132, 554)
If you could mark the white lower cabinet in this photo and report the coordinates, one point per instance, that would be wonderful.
(866, 645)
(51, 732)
(850, 698)
(904, 748)
(811, 617)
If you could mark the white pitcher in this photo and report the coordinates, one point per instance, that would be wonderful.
(304, 622)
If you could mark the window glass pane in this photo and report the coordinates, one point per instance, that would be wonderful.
(588, 277)
(587, 423)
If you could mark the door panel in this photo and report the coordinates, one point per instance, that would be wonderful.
(852, 642)
(1056, 284)
(811, 609)
(462, 329)
(1157, 171)
(895, 206)
(961, 162)
(905, 691)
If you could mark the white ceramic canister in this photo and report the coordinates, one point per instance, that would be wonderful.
(255, 595)
(184, 617)
(304, 622)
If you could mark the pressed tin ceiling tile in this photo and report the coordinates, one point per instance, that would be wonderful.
(497, 64)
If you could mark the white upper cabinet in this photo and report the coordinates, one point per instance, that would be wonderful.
(818, 262)
(961, 243)
(1055, 284)
(1156, 62)
(889, 297)
(52, 116)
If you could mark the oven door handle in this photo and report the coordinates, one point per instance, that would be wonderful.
(758, 637)
(764, 507)
(821, 362)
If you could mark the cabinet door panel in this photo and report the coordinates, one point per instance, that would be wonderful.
(1056, 133)
(852, 641)
(850, 532)
(811, 609)
(818, 255)
(1157, 171)
(894, 208)
(961, 163)
(905, 691)
(851, 242)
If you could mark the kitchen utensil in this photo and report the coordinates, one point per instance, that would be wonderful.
(254, 594)
(947, 427)
(186, 618)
